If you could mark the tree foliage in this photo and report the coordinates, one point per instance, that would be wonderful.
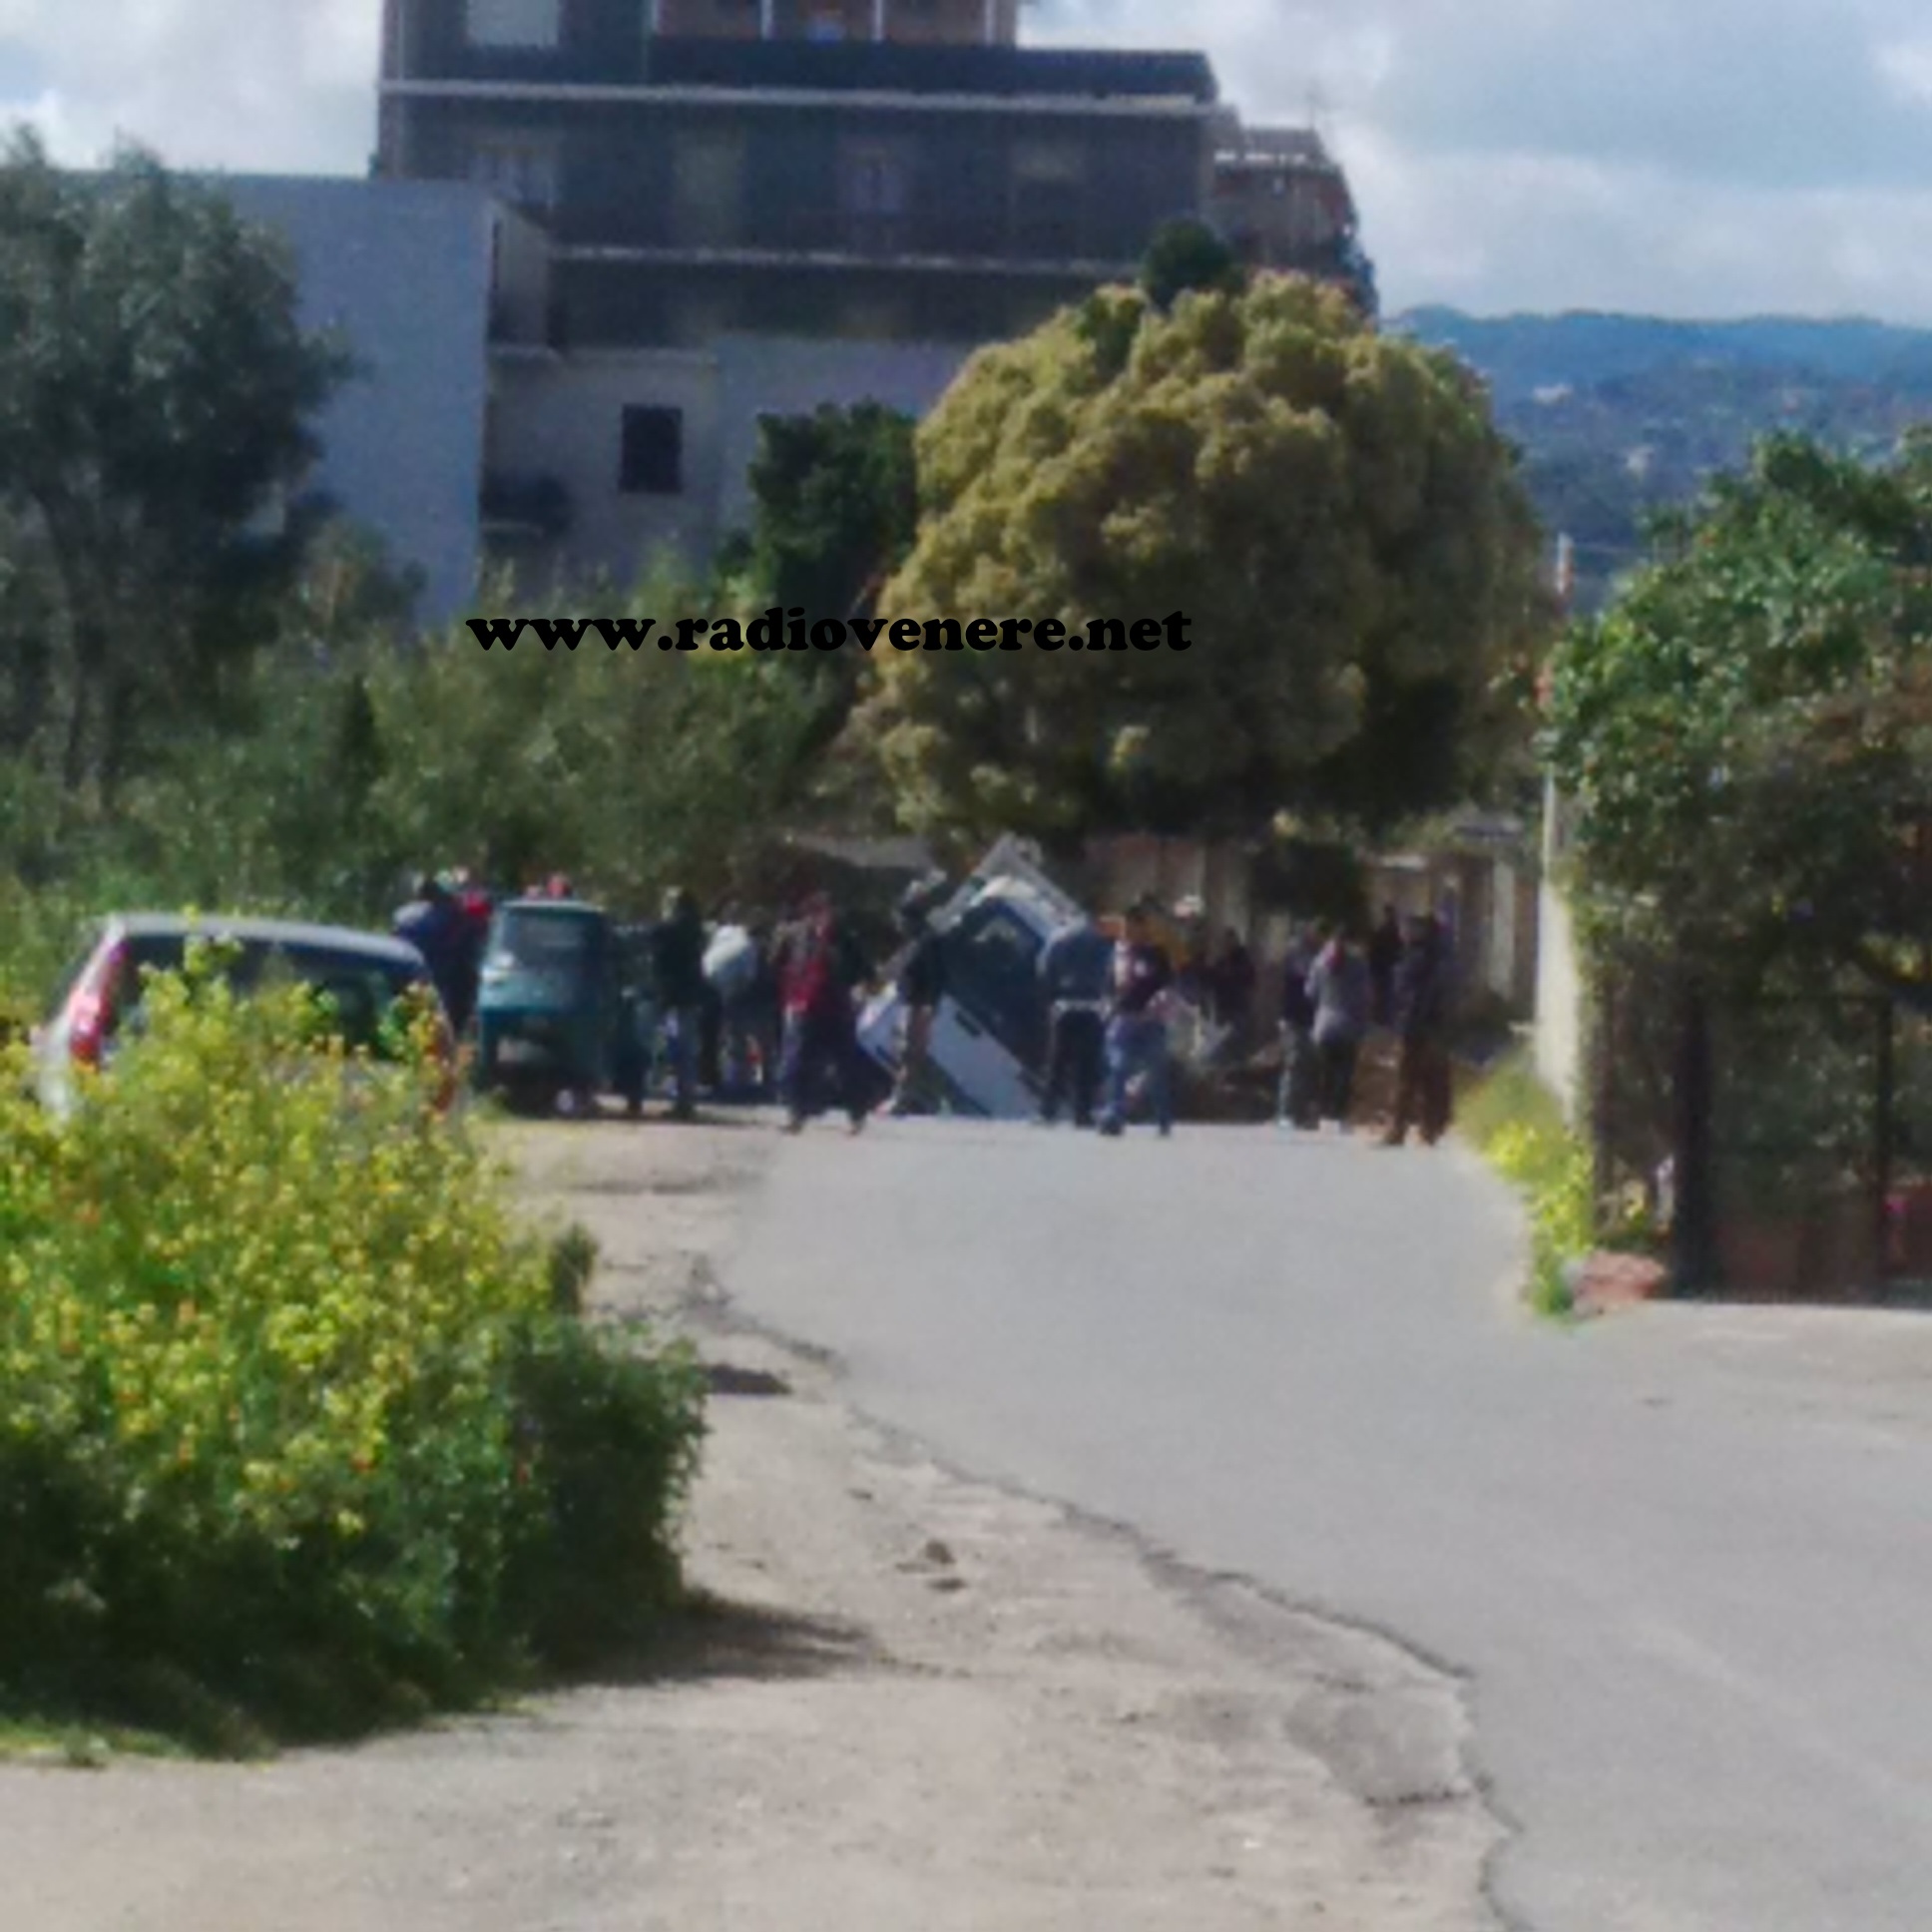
(1331, 507)
(155, 401)
(1743, 739)
(835, 506)
(1188, 254)
(349, 764)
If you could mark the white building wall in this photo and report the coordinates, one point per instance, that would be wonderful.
(1560, 984)
(777, 375)
(402, 270)
(564, 418)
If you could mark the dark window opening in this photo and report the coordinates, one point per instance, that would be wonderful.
(653, 462)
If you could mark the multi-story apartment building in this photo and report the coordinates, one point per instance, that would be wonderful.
(760, 204)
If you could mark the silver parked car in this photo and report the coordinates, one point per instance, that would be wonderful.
(364, 974)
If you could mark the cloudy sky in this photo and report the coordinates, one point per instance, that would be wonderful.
(1683, 157)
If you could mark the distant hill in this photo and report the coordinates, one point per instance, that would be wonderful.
(1618, 414)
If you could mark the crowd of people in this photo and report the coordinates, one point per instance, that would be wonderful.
(768, 1010)
(1113, 996)
(1336, 991)
(745, 1010)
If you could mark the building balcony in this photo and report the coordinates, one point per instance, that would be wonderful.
(526, 330)
(525, 508)
(1124, 81)
(887, 68)
(938, 238)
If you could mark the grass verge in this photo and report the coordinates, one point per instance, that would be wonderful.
(1515, 1123)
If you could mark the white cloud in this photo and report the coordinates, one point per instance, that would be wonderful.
(1693, 157)
(287, 85)
(1906, 66)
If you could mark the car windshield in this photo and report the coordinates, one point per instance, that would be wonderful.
(360, 987)
(530, 941)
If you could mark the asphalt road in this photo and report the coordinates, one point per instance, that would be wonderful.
(1684, 1558)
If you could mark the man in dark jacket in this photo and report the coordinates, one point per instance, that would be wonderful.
(1073, 973)
(921, 986)
(1234, 979)
(1384, 957)
(433, 923)
(1424, 995)
(678, 949)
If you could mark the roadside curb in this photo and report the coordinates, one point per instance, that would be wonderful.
(1606, 1281)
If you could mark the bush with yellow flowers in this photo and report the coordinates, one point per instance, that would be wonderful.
(292, 1424)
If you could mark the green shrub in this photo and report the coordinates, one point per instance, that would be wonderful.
(573, 1261)
(613, 1438)
(1516, 1123)
(286, 1412)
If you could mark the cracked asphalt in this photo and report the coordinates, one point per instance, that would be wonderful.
(1680, 1557)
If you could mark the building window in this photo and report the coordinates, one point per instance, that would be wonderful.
(1048, 193)
(875, 190)
(708, 190)
(523, 173)
(515, 23)
(652, 460)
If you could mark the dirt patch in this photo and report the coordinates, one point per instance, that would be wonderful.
(901, 1699)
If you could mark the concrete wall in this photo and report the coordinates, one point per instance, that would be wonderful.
(403, 269)
(563, 417)
(780, 376)
(566, 419)
(1491, 902)
(1119, 871)
(521, 282)
(1559, 1003)
(1561, 989)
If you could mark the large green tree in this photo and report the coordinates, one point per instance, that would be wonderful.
(835, 507)
(1744, 742)
(155, 397)
(1329, 507)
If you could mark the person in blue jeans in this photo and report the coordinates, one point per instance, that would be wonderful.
(1137, 1027)
(1342, 988)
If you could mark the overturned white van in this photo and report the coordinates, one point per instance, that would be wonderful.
(989, 1038)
